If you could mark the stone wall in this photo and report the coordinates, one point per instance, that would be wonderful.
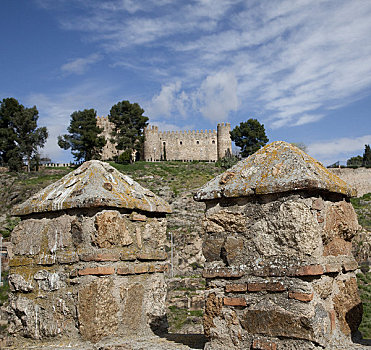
(359, 178)
(280, 272)
(208, 145)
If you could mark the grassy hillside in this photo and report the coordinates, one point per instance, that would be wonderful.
(362, 206)
(178, 176)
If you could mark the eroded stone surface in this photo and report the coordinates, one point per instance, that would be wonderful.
(97, 310)
(341, 221)
(93, 184)
(277, 322)
(348, 306)
(111, 230)
(281, 230)
(33, 320)
(277, 167)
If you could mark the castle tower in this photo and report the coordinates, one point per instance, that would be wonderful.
(109, 150)
(152, 146)
(224, 139)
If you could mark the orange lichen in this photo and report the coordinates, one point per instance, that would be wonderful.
(84, 188)
(277, 167)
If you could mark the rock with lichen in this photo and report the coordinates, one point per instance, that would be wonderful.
(280, 271)
(89, 259)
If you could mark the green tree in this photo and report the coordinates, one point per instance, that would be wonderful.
(367, 156)
(355, 161)
(83, 137)
(20, 137)
(250, 136)
(129, 123)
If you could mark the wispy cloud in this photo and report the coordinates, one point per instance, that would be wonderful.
(293, 61)
(80, 65)
(217, 96)
(333, 147)
(339, 149)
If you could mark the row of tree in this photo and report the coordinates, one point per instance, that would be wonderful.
(85, 140)
(128, 121)
(359, 161)
(20, 138)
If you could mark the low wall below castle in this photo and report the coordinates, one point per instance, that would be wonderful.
(359, 178)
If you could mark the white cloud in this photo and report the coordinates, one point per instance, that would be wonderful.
(292, 60)
(339, 149)
(217, 96)
(214, 98)
(80, 65)
(167, 101)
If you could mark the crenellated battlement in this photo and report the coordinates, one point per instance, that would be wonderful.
(109, 150)
(187, 145)
(180, 132)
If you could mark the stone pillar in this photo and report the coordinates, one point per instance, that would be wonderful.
(279, 272)
(88, 259)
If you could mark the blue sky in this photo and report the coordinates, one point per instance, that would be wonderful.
(302, 68)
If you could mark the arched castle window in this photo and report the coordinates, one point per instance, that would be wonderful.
(198, 142)
(213, 142)
(180, 142)
(164, 143)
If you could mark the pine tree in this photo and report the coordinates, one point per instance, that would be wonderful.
(83, 137)
(20, 137)
(355, 161)
(129, 123)
(367, 157)
(250, 136)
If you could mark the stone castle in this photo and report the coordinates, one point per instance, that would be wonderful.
(109, 151)
(208, 145)
(205, 145)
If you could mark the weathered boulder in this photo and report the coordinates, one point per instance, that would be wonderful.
(279, 270)
(89, 259)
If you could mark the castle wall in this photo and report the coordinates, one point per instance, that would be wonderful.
(358, 178)
(205, 145)
(187, 145)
